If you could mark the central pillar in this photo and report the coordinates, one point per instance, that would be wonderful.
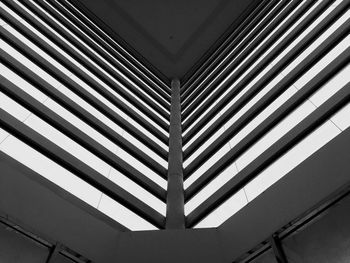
(175, 214)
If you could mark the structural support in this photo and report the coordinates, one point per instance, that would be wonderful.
(278, 250)
(53, 253)
(175, 217)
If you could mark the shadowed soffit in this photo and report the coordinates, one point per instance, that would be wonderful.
(171, 37)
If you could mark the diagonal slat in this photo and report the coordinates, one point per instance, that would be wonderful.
(82, 74)
(77, 89)
(80, 112)
(163, 111)
(313, 85)
(208, 66)
(80, 169)
(288, 58)
(298, 71)
(304, 128)
(74, 21)
(115, 48)
(249, 43)
(80, 137)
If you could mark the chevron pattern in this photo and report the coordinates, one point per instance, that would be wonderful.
(75, 101)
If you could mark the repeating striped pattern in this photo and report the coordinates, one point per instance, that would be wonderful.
(81, 111)
(255, 110)
(77, 103)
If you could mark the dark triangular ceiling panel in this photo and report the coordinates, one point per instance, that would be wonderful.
(172, 36)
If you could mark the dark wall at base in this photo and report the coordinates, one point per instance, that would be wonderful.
(325, 240)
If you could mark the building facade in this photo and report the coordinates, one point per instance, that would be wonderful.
(242, 157)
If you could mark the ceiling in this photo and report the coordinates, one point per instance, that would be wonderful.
(171, 37)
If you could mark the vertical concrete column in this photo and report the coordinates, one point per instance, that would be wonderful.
(175, 216)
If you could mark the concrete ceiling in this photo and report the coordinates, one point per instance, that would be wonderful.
(172, 36)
